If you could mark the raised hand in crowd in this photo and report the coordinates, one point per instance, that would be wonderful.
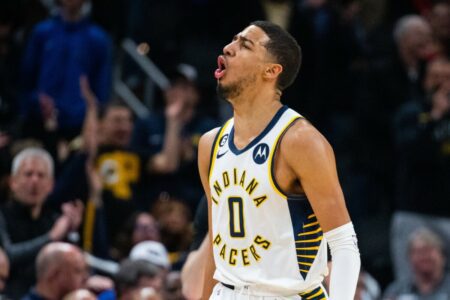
(49, 112)
(90, 125)
(69, 221)
(60, 229)
(95, 183)
(74, 211)
(168, 159)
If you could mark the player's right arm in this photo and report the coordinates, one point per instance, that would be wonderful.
(204, 157)
(310, 157)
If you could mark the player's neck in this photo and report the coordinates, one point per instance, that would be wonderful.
(251, 114)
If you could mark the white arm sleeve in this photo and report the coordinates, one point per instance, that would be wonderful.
(345, 262)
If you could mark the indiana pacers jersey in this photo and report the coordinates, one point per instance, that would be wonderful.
(262, 238)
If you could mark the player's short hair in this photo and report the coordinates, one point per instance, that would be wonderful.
(285, 49)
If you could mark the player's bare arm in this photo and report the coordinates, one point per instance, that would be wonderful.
(204, 155)
(311, 167)
(310, 162)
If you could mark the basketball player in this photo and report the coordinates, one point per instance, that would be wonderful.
(271, 182)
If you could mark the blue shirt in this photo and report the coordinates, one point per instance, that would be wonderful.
(58, 53)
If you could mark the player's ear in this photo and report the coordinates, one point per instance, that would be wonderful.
(272, 71)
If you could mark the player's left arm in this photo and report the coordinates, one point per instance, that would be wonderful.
(311, 159)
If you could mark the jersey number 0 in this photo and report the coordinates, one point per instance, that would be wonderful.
(236, 208)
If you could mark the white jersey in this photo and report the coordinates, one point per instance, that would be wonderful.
(262, 238)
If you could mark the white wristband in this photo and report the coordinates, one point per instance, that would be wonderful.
(345, 262)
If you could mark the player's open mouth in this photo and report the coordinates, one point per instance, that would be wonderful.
(221, 67)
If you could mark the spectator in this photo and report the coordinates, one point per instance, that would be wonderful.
(427, 259)
(391, 82)
(172, 286)
(59, 51)
(26, 222)
(135, 274)
(176, 131)
(423, 165)
(174, 217)
(152, 252)
(104, 171)
(155, 254)
(439, 18)
(140, 227)
(122, 170)
(4, 271)
(398, 79)
(145, 229)
(367, 287)
(105, 159)
(60, 269)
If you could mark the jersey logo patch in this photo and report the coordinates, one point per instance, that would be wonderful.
(261, 153)
(223, 140)
(219, 155)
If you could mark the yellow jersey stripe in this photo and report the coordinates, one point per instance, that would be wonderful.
(216, 148)
(310, 232)
(272, 152)
(306, 256)
(305, 264)
(311, 224)
(320, 292)
(310, 241)
(304, 271)
(311, 216)
(307, 292)
(308, 248)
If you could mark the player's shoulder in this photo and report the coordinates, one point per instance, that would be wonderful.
(207, 139)
(303, 137)
(205, 150)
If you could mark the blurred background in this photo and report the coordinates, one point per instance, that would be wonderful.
(118, 93)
